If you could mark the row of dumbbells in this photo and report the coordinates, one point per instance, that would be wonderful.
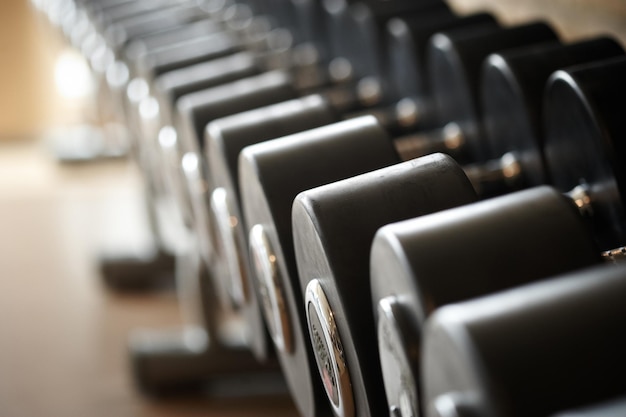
(349, 174)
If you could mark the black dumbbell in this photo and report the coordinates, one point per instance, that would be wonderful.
(273, 173)
(407, 287)
(535, 350)
(510, 240)
(326, 217)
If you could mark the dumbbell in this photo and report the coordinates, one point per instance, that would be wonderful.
(327, 214)
(311, 158)
(536, 350)
(509, 240)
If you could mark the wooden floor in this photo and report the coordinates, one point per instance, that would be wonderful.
(62, 334)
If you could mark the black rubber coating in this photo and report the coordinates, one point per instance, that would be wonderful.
(193, 51)
(169, 87)
(271, 174)
(196, 110)
(513, 86)
(455, 60)
(425, 263)
(365, 44)
(407, 40)
(225, 139)
(585, 141)
(333, 228)
(518, 353)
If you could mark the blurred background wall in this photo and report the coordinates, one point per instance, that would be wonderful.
(29, 100)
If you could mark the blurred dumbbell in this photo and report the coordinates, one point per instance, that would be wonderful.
(132, 272)
(150, 56)
(157, 112)
(199, 353)
(420, 264)
(535, 350)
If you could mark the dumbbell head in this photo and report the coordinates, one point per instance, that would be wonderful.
(455, 59)
(116, 13)
(142, 44)
(198, 109)
(225, 139)
(535, 350)
(584, 142)
(407, 40)
(271, 174)
(312, 18)
(333, 226)
(159, 21)
(366, 22)
(421, 264)
(193, 51)
(513, 84)
(171, 86)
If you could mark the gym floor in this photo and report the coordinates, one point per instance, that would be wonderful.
(62, 334)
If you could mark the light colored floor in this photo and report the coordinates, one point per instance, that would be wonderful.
(62, 334)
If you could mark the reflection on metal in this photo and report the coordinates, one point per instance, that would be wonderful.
(580, 196)
(615, 256)
(328, 350)
(228, 227)
(400, 383)
(267, 274)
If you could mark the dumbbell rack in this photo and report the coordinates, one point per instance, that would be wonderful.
(211, 277)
